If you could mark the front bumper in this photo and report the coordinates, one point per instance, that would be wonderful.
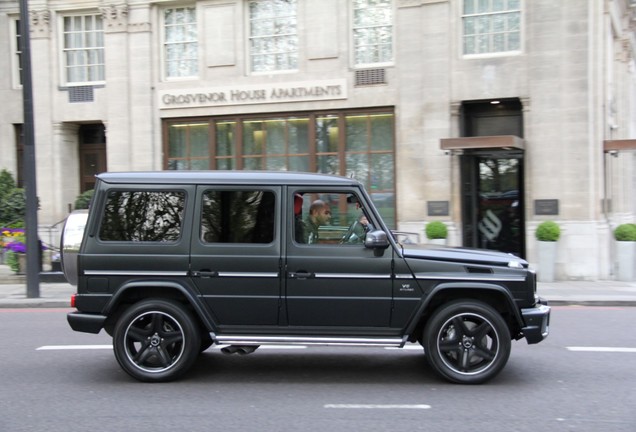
(86, 323)
(537, 320)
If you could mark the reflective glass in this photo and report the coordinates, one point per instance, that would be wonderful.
(357, 133)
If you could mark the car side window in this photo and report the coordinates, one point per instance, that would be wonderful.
(237, 216)
(143, 216)
(329, 218)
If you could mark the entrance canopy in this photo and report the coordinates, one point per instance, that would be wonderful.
(504, 142)
(619, 145)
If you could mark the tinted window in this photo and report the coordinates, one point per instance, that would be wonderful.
(237, 217)
(143, 216)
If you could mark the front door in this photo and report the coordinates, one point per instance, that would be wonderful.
(332, 280)
(92, 148)
(492, 201)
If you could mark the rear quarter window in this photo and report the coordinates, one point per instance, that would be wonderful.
(143, 216)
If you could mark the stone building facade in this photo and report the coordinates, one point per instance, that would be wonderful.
(489, 115)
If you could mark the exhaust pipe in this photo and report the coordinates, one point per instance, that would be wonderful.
(240, 349)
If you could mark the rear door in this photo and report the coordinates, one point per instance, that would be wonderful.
(235, 255)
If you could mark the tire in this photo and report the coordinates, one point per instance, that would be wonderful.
(467, 342)
(156, 340)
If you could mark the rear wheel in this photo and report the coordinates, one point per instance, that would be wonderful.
(467, 342)
(156, 340)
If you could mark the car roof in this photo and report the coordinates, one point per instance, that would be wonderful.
(227, 177)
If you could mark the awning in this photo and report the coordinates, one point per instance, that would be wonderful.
(504, 142)
(619, 145)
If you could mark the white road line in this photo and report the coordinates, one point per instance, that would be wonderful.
(376, 406)
(73, 347)
(416, 347)
(602, 349)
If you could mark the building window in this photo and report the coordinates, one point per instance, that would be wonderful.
(83, 49)
(358, 144)
(181, 42)
(17, 57)
(372, 32)
(491, 26)
(273, 35)
(189, 146)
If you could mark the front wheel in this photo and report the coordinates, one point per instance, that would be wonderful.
(156, 340)
(467, 342)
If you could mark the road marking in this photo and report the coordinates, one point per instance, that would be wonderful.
(377, 406)
(602, 349)
(73, 347)
(416, 346)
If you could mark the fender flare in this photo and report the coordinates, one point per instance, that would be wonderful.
(187, 292)
(477, 286)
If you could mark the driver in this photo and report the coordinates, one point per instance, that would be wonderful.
(319, 214)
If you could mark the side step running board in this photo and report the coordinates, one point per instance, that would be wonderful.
(298, 340)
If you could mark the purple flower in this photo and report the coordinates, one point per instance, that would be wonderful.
(16, 247)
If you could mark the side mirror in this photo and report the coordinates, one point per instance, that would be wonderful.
(376, 240)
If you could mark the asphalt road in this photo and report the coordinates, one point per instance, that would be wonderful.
(582, 378)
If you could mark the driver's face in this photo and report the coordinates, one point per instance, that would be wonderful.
(323, 215)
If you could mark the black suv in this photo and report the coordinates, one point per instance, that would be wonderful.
(169, 263)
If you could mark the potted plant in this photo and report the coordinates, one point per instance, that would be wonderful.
(625, 235)
(14, 248)
(547, 234)
(436, 232)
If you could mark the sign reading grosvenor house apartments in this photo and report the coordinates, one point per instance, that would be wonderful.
(253, 94)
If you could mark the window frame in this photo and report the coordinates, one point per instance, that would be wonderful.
(489, 54)
(310, 193)
(163, 43)
(145, 189)
(64, 66)
(16, 53)
(352, 29)
(387, 195)
(248, 42)
(205, 189)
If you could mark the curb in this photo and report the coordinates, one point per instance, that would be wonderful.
(34, 303)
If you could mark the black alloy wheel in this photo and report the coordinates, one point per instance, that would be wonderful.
(467, 342)
(156, 340)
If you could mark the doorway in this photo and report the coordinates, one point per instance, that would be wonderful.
(492, 200)
(92, 149)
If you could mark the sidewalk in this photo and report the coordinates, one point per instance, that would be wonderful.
(590, 293)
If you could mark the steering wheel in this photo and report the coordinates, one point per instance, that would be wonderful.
(351, 235)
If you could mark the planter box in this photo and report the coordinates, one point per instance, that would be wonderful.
(441, 242)
(547, 260)
(626, 260)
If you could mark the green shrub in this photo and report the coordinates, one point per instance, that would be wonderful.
(11, 259)
(625, 232)
(548, 231)
(12, 201)
(436, 230)
(84, 199)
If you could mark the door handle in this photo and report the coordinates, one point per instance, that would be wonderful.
(301, 275)
(205, 273)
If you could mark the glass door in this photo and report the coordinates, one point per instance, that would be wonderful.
(492, 201)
